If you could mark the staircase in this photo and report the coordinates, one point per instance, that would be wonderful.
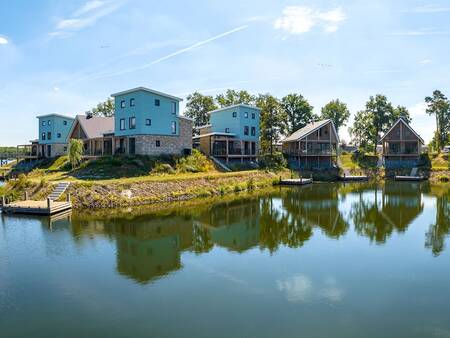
(220, 164)
(58, 191)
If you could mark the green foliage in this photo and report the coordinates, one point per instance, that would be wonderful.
(232, 97)
(336, 111)
(75, 152)
(196, 162)
(272, 122)
(298, 112)
(105, 108)
(197, 108)
(251, 184)
(241, 166)
(439, 106)
(275, 161)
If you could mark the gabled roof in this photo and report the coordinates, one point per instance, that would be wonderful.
(148, 90)
(401, 119)
(234, 106)
(55, 115)
(94, 127)
(308, 130)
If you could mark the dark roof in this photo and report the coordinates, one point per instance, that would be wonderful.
(401, 119)
(307, 130)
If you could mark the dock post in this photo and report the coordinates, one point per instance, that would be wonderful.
(68, 198)
(26, 195)
(49, 204)
(3, 200)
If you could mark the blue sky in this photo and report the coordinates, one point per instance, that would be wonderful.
(65, 56)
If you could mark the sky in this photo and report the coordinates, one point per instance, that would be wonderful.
(66, 56)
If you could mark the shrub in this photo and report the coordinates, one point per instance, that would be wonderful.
(275, 161)
(75, 152)
(243, 166)
(162, 168)
(196, 162)
(251, 184)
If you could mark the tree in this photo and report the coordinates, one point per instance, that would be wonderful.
(105, 109)
(271, 121)
(336, 111)
(402, 112)
(197, 108)
(439, 106)
(75, 152)
(362, 130)
(298, 112)
(232, 97)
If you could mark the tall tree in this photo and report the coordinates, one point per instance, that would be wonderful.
(336, 111)
(298, 112)
(382, 114)
(75, 152)
(401, 111)
(105, 108)
(232, 97)
(439, 106)
(271, 121)
(197, 108)
(362, 130)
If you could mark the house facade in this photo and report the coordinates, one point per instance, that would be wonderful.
(401, 146)
(232, 135)
(148, 122)
(53, 132)
(313, 147)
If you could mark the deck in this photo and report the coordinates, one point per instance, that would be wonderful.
(350, 178)
(297, 181)
(36, 207)
(410, 178)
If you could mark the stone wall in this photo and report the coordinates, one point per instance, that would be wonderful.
(171, 145)
(58, 149)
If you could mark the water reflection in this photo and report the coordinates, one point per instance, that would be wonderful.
(149, 246)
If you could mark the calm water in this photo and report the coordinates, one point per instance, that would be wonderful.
(319, 261)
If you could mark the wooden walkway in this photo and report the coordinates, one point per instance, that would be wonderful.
(410, 178)
(351, 178)
(36, 207)
(297, 181)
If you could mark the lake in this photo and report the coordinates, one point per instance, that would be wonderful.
(325, 260)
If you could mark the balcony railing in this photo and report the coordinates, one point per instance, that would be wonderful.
(312, 152)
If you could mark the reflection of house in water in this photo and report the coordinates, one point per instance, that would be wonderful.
(397, 207)
(438, 231)
(150, 248)
(316, 206)
(233, 225)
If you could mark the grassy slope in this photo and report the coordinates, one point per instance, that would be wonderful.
(440, 162)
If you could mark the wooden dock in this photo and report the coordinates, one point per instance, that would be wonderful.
(296, 181)
(351, 178)
(48, 207)
(410, 178)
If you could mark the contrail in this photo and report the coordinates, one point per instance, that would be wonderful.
(171, 55)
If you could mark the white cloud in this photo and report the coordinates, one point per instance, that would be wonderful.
(87, 15)
(300, 19)
(425, 61)
(3, 40)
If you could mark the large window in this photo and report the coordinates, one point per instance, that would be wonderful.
(246, 115)
(234, 114)
(49, 136)
(246, 130)
(43, 136)
(132, 122)
(174, 127)
(132, 102)
(58, 135)
(253, 116)
(49, 122)
(122, 124)
(253, 131)
(158, 143)
(122, 104)
(157, 102)
(65, 123)
(148, 122)
(174, 107)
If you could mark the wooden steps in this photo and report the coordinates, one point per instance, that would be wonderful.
(59, 190)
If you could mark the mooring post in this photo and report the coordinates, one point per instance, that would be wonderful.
(68, 198)
(49, 203)
(3, 200)
(26, 195)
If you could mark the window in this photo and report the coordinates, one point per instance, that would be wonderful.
(148, 122)
(174, 127)
(234, 114)
(132, 102)
(174, 107)
(253, 131)
(44, 123)
(122, 104)
(49, 136)
(49, 122)
(246, 130)
(158, 143)
(65, 149)
(122, 124)
(58, 135)
(246, 115)
(132, 122)
(253, 116)
(65, 123)
(227, 130)
(157, 102)
(43, 136)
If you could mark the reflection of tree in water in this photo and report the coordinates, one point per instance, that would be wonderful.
(302, 210)
(202, 241)
(396, 208)
(437, 232)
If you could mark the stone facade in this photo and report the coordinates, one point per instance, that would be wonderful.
(170, 145)
(57, 149)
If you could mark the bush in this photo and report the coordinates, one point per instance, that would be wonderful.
(162, 168)
(238, 166)
(194, 163)
(275, 161)
(444, 178)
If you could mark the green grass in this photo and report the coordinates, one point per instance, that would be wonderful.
(439, 162)
(348, 162)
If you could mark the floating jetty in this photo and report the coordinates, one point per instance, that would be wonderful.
(350, 178)
(48, 207)
(410, 178)
(296, 181)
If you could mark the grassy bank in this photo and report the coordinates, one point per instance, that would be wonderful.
(132, 181)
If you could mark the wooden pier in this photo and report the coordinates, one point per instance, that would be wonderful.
(296, 181)
(410, 178)
(48, 207)
(352, 178)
